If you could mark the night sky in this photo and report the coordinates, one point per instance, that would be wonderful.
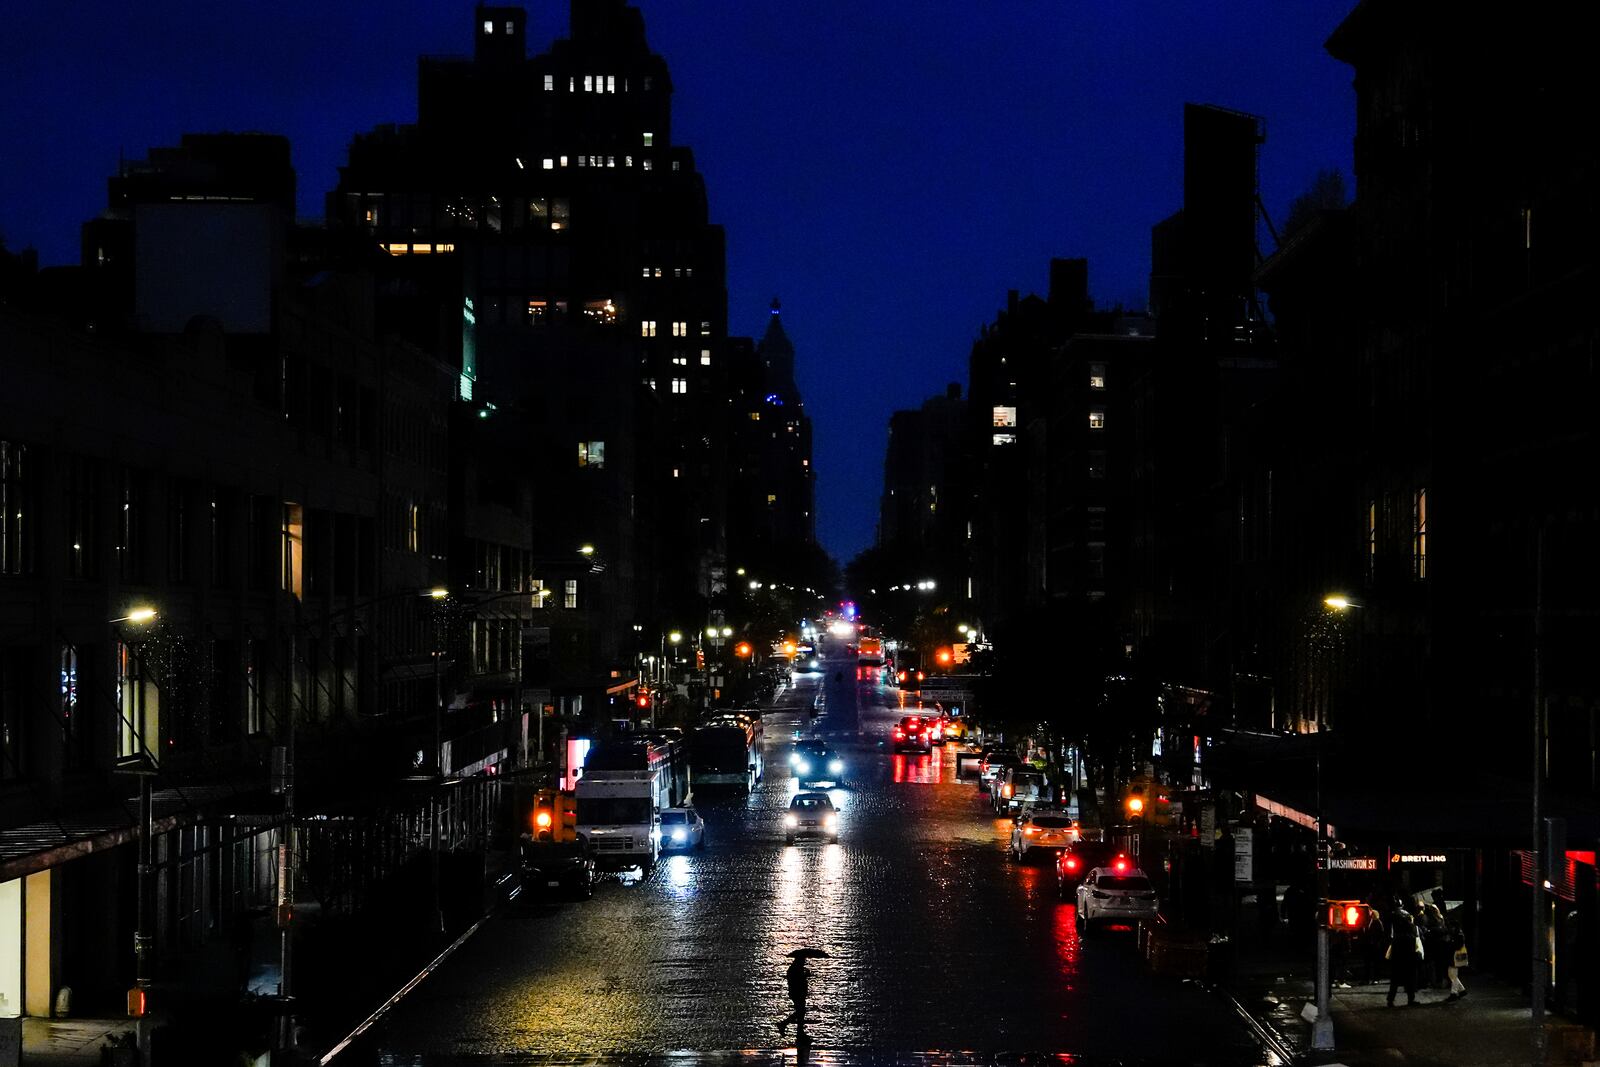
(889, 168)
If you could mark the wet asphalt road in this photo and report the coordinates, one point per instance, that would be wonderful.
(938, 941)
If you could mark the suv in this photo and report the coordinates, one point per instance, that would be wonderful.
(1020, 785)
(1118, 893)
(1042, 831)
(912, 735)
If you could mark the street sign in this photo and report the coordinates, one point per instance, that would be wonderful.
(1243, 855)
(1353, 863)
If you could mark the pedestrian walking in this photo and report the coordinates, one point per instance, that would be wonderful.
(1404, 955)
(1458, 960)
(1430, 920)
(1374, 942)
(799, 977)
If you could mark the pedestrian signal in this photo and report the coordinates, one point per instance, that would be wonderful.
(1347, 915)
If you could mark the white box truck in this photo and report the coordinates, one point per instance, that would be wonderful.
(620, 797)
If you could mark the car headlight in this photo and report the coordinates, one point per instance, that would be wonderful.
(791, 820)
(679, 835)
(836, 766)
(803, 767)
(831, 821)
(794, 757)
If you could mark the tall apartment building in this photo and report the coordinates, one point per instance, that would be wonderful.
(593, 307)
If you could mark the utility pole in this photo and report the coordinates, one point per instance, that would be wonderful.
(1541, 966)
(1322, 1027)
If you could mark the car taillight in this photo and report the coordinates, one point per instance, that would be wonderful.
(1007, 791)
(898, 734)
(1121, 865)
(1072, 864)
(1030, 830)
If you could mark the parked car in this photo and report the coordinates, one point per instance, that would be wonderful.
(1118, 893)
(1074, 864)
(1042, 831)
(1021, 785)
(811, 815)
(992, 766)
(551, 869)
(682, 829)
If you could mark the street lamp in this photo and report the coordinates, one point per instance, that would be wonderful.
(144, 916)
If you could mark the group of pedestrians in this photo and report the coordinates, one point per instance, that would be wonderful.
(1425, 947)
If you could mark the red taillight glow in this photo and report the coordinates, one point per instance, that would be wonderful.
(1030, 830)
(898, 734)
(1122, 865)
(1072, 864)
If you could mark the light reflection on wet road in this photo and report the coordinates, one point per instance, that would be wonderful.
(937, 940)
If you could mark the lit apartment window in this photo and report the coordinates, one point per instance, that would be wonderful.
(658, 272)
(591, 453)
(675, 472)
(588, 83)
(627, 161)
(371, 217)
(549, 164)
(645, 163)
(1372, 538)
(1419, 534)
(688, 272)
(539, 599)
(569, 598)
(755, 416)
(413, 529)
(139, 704)
(572, 84)
(549, 83)
(705, 357)
(647, 328)
(646, 86)
(680, 329)
(294, 549)
(772, 498)
(677, 272)
(680, 360)
(563, 161)
(488, 27)
(649, 140)
(1097, 420)
(1004, 439)
(705, 329)
(680, 385)
(611, 83)
(509, 28)
(1097, 376)
(675, 165)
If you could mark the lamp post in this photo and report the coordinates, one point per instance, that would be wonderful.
(144, 766)
(1322, 1039)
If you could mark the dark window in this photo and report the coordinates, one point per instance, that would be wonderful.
(14, 690)
(82, 488)
(17, 514)
(131, 518)
(180, 501)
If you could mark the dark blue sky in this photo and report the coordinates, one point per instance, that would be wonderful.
(890, 167)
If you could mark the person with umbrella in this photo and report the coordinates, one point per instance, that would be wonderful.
(799, 976)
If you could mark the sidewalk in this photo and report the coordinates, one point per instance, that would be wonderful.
(1487, 1028)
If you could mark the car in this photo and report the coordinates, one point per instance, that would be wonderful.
(550, 869)
(806, 749)
(1021, 785)
(811, 815)
(682, 828)
(1118, 893)
(992, 766)
(912, 735)
(819, 764)
(1042, 831)
(954, 729)
(1074, 864)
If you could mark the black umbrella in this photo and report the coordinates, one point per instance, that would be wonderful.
(810, 954)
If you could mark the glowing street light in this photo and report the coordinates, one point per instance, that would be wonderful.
(1338, 602)
(139, 616)
(439, 593)
(675, 636)
(727, 631)
(585, 550)
(963, 628)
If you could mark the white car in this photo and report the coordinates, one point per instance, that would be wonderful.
(1119, 893)
(1047, 831)
(682, 828)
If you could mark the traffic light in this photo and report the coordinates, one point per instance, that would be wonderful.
(1134, 806)
(1347, 915)
(945, 657)
(742, 650)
